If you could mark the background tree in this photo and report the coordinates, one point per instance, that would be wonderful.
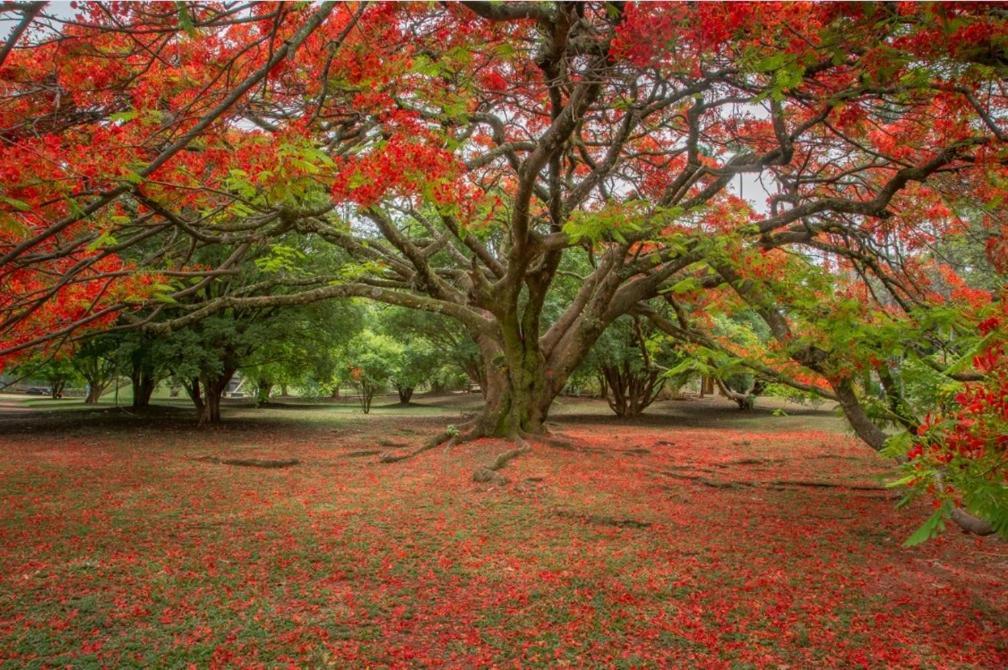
(625, 360)
(56, 371)
(368, 362)
(97, 362)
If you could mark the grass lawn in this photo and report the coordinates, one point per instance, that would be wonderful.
(697, 536)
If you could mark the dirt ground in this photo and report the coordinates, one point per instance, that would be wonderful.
(695, 536)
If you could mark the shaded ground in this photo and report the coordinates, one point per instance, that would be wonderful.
(687, 539)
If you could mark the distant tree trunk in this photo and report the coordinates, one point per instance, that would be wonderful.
(477, 374)
(96, 389)
(631, 391)
(603, 386)
(144, 383)
(263, 389)
(213, 389)
(283, 390)
(195, 394)
(335, 392)
(405, 393)
(745, 399)
(98, 372)
(367, 390)
(56, 387)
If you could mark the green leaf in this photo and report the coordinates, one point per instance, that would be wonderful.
(930, 528)
(897, 445)
(902, 481)
(685, 285)
(966, 359)
(124, 116)
(185, 19)
(771, 63)
(19, 205)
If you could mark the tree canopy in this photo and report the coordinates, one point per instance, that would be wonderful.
(462, 159)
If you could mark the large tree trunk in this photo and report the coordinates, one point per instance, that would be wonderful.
(143, 382)
(518, 391)
(405, 394)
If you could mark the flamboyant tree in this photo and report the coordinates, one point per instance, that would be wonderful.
(462, 154)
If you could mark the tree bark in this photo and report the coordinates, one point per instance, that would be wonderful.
(195, 394)
(143, 383)
(263, 389)
(367, 391)
(56, 388)
(213, 388)
(518, 388)
(95, 391)
(746, 400)
(630, 391)
(405, 394)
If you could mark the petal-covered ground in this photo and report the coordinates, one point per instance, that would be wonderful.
(657, 544)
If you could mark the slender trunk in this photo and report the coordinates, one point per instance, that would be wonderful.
(143, 382)
(213, 389)
(630, 391)
(335, 392)
(56, 388)
(367, 394)
(195, 394)
(263, 391)
(96, 388)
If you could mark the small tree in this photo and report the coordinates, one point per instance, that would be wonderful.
(629, 377)
(96, 361)
(370, 360)
(56, 371)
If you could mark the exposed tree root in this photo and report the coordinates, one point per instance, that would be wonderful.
(823, 485)
(392, 443)
(774, 484)
(601, 520)
(449, 436)
(250, 462)
(750, 461)
(359, 454)
(558, 441)
(635, 451)
(490, 474)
